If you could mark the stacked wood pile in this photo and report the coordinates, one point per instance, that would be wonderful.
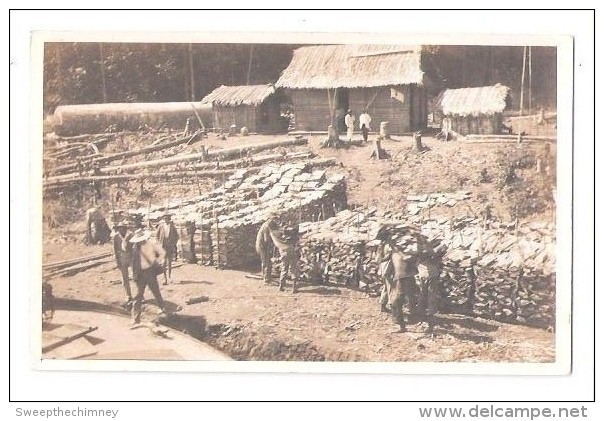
(229, 216)
(341, 249)
(296, 196)
(420, 203)
(501, 272)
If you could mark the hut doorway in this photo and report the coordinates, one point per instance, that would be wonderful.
(341, 105)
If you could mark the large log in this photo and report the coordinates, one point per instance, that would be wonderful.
(218, 154)
(127, 154)
(218, 173)
(71, 262)
(505, 138)
(96, 118)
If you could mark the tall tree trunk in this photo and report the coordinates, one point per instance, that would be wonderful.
(103, 80)
(191, 72)
(530, 88)
(59, 74)
(522, 82)
(249, 64)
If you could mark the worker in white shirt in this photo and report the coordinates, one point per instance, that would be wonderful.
(349, 120)
(364, 121)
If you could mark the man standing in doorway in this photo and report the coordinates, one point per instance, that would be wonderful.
(364, 120)
(349, 120)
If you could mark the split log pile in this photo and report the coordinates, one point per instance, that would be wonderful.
(422, 203)
(500, 272)
(292, 192)
(341, 249)
(229, 216)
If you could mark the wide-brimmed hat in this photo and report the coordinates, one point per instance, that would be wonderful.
(139, 236)
(120, 224)
(166, 214)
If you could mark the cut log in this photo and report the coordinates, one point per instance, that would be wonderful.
(219, 154)
(505, 138)
(78, 333)
(127, 154)
(71, 262)
(378, 152)
(220, 173)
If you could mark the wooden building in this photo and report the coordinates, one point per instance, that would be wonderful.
(472, 110)
(324, 81)
(256, 107)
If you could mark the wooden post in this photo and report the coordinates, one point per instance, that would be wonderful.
(530, 88)
(191, 72)
(249, 64)
(522, 82)
(102, 65)
(417, 142)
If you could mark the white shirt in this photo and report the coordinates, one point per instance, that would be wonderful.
(364, 119)
(349, 120)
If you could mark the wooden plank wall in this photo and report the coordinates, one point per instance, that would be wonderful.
(383, 107)
(242, 115)
(268, 116)
(311, 109)
(483, 124)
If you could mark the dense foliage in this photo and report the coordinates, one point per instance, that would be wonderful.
(81, 73)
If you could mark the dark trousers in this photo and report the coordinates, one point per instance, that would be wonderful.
(146, 277)
(365, 131)
(267, 265)
(403, 288)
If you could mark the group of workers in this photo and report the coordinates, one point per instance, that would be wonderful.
(147, 256)
(405, 278)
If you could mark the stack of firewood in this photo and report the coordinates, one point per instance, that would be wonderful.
(500, 271)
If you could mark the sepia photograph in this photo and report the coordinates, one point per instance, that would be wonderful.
(371, 201)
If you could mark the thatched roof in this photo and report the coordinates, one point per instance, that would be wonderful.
(239, 95)
(472, 101)
(352, 66)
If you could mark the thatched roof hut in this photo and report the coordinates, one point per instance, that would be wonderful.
(473, 110)
(253, 106)
(325, 80)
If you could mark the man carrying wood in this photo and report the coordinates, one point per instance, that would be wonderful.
(264, 247)
(147, 257)
(429, 268)
(285, 241)
(398, 271)
(167, 237)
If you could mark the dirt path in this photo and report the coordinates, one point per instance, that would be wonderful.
(253, 321)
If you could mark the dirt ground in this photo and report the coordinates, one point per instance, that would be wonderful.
(253, 321)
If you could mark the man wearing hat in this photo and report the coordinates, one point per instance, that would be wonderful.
(167, 237)
(398, 276)
(147, 256)
(123, 256)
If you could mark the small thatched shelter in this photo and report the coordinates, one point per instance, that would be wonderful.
(473, 110)
(253, 106)
(326, 80)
